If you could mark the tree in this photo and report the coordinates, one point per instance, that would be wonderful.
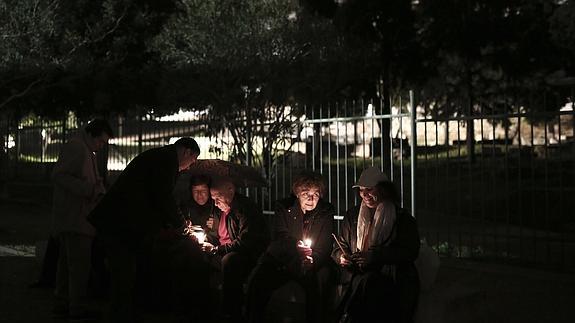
(87, 56)
(492, 55)
(249, 61)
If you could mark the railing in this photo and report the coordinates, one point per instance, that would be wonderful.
(510, 200)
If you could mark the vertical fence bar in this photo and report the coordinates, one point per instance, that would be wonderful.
(459, 180)
(484, 230)
(493, 210)
(507, 189)
(471, 160)
(413, 151)
(355, 141)
(313, 125)
(381, 135)
(329, 154)
(338, 181)
(364, 110)
(373, 121)
(400, 118)
(390, 135)
(345, 161)
(559, 170)
(520, 184)
(546, 180)
(320, 140)
(531, 189)
(140, 130)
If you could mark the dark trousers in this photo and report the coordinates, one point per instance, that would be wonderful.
(49, 267)
(268, 277)
(235, 268)
(123, 257)
(189, 279)
(74, 265)
(373, 295)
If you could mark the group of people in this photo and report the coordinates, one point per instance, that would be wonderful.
(372, 259)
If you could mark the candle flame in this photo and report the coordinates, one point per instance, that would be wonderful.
(201, 236)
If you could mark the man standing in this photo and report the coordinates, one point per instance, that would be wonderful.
(242, 236)
(137, 207)
(77, 188)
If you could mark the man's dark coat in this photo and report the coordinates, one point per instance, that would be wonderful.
(140, 203)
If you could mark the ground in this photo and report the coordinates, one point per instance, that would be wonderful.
(464, 291)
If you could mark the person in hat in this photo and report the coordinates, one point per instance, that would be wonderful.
(376, 252)
(300, 250)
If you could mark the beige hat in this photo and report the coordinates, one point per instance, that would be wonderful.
(370, 177)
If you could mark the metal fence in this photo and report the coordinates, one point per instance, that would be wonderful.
(512, 198)
(509, 198)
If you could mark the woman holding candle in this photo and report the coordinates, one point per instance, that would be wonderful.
(300, 250)
(376, 251)
(199, 206)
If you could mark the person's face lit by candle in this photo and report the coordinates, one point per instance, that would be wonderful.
(308, 198)
(223, 195)
(307, 242)
(371, 196)
(201, 193)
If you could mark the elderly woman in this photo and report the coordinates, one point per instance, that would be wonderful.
(300, 250)
(376, 251)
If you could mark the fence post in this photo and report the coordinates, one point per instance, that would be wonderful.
(140, 122)
(412, 149)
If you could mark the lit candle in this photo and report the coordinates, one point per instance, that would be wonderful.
(307, 242)
(201, 236)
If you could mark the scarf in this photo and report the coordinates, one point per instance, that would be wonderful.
(377, 231)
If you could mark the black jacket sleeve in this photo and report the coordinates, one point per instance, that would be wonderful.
(346, 238)
(404, 248)
(249, 230)
(322, 248)
(278, 224)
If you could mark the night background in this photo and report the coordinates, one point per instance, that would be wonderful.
(467, 105)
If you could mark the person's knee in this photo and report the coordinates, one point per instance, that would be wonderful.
(232, 259)
(371, 281)
(325, 275)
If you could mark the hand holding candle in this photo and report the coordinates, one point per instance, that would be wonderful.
(207, 247)
(344, 258)
(200, 236)
(304, 247)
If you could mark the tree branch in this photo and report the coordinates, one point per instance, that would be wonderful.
(20, 94)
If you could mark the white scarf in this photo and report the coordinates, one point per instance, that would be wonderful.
(382, 227)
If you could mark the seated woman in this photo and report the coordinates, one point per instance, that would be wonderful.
(300, 250)
(376, 251)
(199, 207)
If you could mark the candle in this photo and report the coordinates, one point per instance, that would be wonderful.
(201, 236)
(307, 242)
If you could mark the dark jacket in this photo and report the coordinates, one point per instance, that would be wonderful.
(140, 203)
(198, 214)
(246, 227)
(402, 251)
(288, 228)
